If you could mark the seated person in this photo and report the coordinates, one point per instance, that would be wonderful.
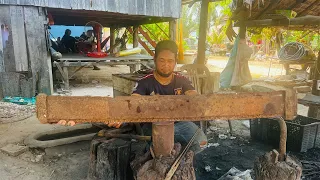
(88, 44)
(68, 41)
(163, 81)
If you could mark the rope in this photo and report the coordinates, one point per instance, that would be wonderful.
(292, 51)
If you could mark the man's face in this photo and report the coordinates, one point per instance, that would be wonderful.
(165, 63)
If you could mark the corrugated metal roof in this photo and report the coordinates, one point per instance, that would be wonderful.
(156, 8)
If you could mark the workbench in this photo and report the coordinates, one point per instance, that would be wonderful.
(286, 64)
(81, 61)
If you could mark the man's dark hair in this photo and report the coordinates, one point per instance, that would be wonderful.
(67, 31)
(166, 45)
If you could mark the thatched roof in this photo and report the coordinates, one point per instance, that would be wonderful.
(301, 7)
(264, 13)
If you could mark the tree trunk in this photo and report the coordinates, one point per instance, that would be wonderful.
(267, 167)
(109, 159)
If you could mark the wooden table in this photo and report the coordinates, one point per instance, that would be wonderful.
(286, 64)
(80, 61)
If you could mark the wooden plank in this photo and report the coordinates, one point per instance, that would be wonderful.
(132, 7)
(141, 5)
(111, 5)
(124, 6)
(2, 29)
(10, 84)
(77, 64)
(108, 58)
(8, 63)
(37, 49)
(18, 38)
(149, 8)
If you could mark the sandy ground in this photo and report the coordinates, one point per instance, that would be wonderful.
(73, 163)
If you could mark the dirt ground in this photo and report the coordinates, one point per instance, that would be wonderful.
(71, 162)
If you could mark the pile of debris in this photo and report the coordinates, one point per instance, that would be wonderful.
(10, 112)
(146, 167)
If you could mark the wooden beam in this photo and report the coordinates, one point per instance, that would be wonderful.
(148, 38)
(112, 37)
(308, 8)
(314, 110)
(242, 31)
(299, 21)
(203, 31)
(271, 5)
(173, 30)
(135, 36)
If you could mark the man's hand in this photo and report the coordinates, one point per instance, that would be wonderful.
(191, 93)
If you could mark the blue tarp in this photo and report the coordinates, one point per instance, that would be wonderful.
(20, 100)
(226, 74)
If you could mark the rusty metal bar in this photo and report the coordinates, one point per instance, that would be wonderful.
(226, 106)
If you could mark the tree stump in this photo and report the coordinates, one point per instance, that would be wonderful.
(267, 167)
(110, 159)
(146, 168)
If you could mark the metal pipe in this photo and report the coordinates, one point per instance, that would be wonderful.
(163, 138)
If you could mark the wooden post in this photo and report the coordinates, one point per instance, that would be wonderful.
(173, 30)
(314, 109)
(112, 37)
(203, 31)
(66, 78)
(242, 30)
(135, 36)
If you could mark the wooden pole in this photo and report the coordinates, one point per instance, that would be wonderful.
(314, 109)
(203, 31)
(112, 38)
(242, 30)
(135, 36)
(173, 30)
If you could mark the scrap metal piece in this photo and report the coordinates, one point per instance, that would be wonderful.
(226, 106)
(162, 138)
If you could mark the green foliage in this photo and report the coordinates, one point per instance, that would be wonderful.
(256, 34)
(156, 33)
(219, 13)
(190, 18)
